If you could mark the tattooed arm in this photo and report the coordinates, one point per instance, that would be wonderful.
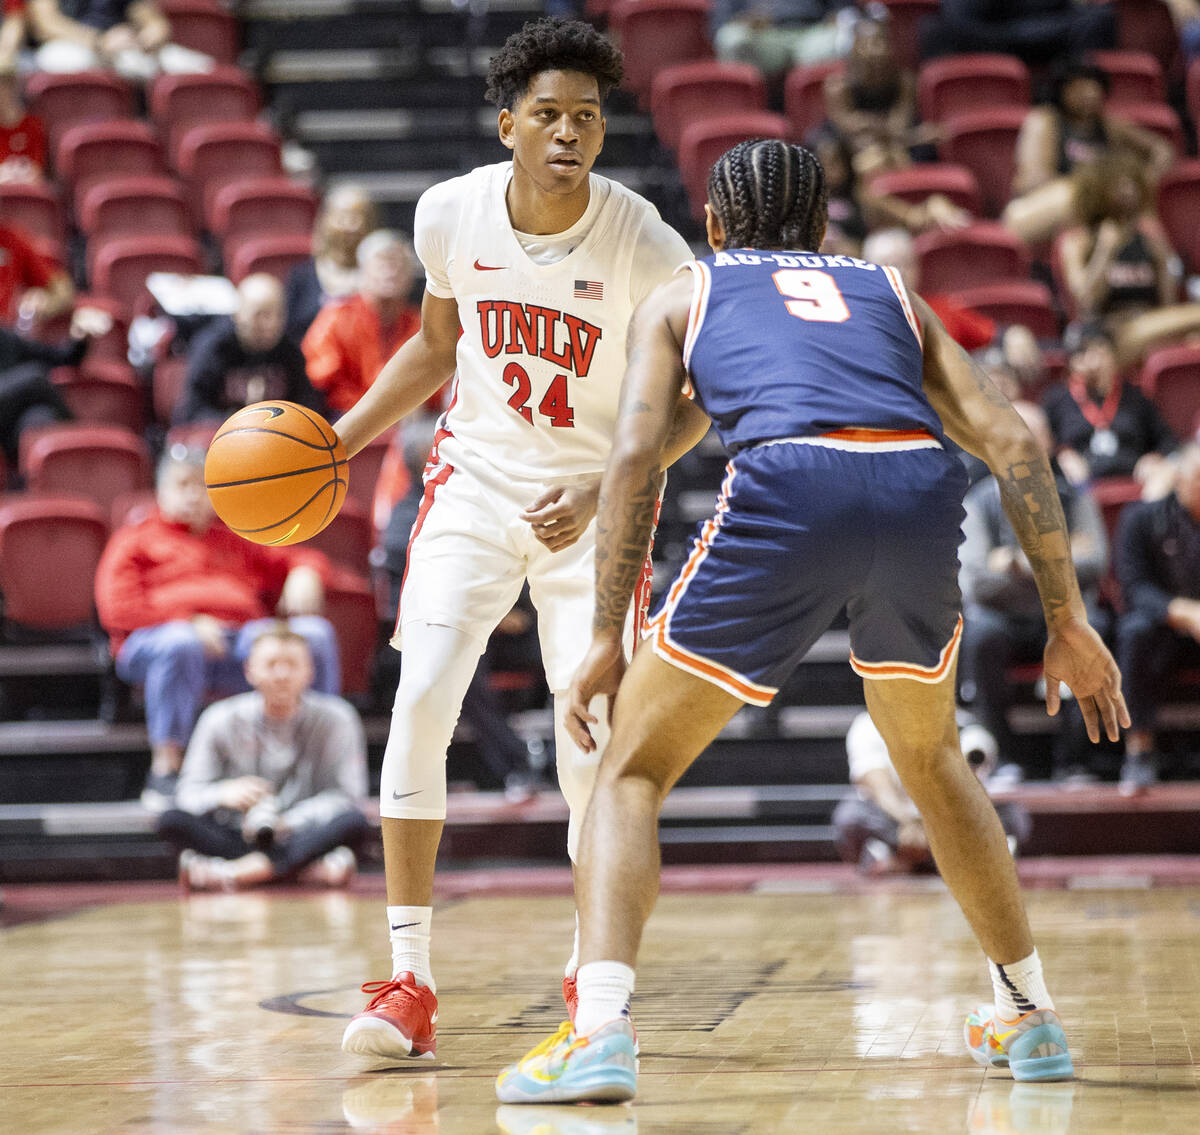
(980, 419)
(648, 422)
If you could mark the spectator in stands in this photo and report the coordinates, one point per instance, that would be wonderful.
(27, 396)
(854, 208)
(33, 288)
(245, 359)
(273, 781)
(182, 598)
(1035, 30)
(971, 330)
(12, 34)
(1104, 426)
(1003, 624)
(132, 37)
(1116, 265)
(350, 340)
(22, 135)
(878, 828)
(1070, 134)
(777, 35)
(872, 102)
(1157, 550)
(347, 215)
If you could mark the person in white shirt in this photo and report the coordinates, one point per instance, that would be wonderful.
(540, 262)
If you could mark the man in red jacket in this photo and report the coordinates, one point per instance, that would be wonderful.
(183, 598)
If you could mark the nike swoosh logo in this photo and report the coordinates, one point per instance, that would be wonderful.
(489, 268)
(270, 411)
(404, 925)
(403, 795)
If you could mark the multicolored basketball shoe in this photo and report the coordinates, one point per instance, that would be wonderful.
(400, 1020)
(1033, 1047)
(566, 1068)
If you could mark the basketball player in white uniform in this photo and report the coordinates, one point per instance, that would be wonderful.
(541, 263)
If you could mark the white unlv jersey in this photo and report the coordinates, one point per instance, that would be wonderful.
(542, 352)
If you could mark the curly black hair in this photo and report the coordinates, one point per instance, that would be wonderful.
(769, 194)
(551, 44)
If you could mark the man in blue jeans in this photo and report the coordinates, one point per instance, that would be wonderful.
(183, 598)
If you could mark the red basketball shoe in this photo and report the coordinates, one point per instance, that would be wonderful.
(400, 1020)
(571, 997)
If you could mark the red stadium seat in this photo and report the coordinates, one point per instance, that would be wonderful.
(959, 84)
(170, 375)
(1171, 378)
(982, 253)
(919, 182)
(692, 91)
(35, 209)
(655, 34)
(276, 254)
(804, 96)
(99, 462)
(1178, 208)
(63, 101)
(262, 205)
(703, 142)
(217, 153)
(104, 392)
(1147, 25)
(49, 548)
(984, 142)
(350, 607)
(1158, 118)
(346, 540)
(1134, 76)
(179, 102)
(1024, 302)
(203, 25)
(99, 151)
(905, 17)
(121, 265)
(132, 206)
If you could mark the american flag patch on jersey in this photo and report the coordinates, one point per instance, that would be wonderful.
(589, 290)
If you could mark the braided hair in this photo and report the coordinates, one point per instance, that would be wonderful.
(769, 194)
(551, 44)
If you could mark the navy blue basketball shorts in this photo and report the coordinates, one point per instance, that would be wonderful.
(803, 528)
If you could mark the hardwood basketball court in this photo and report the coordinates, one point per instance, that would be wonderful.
(773, 1001)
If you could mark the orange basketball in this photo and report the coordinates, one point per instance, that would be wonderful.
(276, 473)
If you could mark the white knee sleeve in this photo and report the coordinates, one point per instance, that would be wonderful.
(439, 663)
(577, 769)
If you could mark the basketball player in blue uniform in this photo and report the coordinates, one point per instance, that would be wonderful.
(834, 392)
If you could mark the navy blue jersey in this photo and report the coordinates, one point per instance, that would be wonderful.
(791, 344)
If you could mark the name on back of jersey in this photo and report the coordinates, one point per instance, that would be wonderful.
(791, 260)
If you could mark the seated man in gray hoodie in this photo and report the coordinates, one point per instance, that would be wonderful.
(273, 780)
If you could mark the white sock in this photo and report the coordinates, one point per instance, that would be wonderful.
(1019, 988)
(604, 992)
(408, 929)
(573, 961)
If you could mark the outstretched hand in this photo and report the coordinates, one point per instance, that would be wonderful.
(562, 513)
(1076, 654)
(600, 672)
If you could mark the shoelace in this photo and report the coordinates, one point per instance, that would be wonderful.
(382, 988)
(552, 1042)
